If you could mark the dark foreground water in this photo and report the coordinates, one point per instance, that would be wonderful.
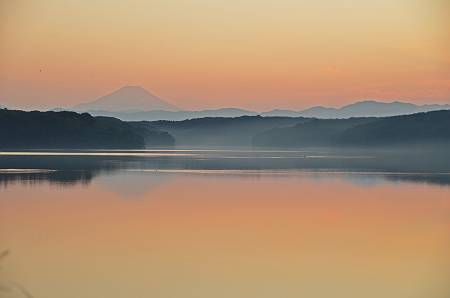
(215, 223)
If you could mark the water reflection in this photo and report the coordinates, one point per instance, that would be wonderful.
(229, 233)
(227, 224)
(69, 168)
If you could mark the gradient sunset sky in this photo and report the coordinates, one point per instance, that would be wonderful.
(256, 54)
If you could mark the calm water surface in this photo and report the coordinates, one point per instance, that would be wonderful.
(194, 223)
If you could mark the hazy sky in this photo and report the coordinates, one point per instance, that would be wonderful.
(257, 54)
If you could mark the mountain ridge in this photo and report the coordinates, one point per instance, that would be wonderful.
(365, 108)
(134, 103)
(357, 109)
(127, 98)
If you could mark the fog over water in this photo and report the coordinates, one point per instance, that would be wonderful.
(72, 166)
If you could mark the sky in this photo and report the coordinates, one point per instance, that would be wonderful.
(255, 54)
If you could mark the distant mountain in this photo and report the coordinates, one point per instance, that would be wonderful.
(69, 130)
(314, 112)
(367, 108)
(126, 99)
(431, 128)
(319, 112)
(134, 103)
(358, 109)
(174, 115)
(281, 113)
(372, 108)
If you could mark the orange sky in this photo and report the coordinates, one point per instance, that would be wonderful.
(257, 54)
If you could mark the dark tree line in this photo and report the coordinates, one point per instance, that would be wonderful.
(69, 130)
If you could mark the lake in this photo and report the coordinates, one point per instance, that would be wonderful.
(226, 223)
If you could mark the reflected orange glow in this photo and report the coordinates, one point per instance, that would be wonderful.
(251, 236)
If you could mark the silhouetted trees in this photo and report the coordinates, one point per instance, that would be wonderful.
(34, 130)
(432, 129)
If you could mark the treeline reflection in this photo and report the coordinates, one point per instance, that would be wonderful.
(67, 171)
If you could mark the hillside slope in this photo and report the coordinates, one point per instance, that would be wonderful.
(432, 128)
(220, 132)
(33, 130)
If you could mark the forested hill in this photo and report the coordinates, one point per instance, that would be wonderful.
(70, 130)
(220, 131)
(431, 128)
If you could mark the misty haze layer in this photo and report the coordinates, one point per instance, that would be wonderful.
(133, 103)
